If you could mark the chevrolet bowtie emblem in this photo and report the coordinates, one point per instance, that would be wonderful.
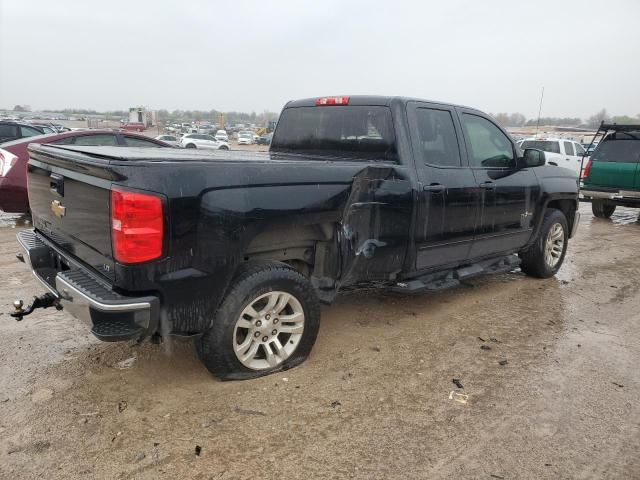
(57, 209)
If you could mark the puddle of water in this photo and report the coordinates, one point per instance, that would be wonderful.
(13, 220)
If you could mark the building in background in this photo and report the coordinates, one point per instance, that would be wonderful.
(143, 115)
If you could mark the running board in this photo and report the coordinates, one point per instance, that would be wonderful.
(451, 278)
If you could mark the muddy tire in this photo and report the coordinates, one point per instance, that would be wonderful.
(601, 209)
(544, 257)
(267, 322)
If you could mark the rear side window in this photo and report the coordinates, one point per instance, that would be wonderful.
(488, 146)
(623, 147)
(352, 132)
(97, 140)
(139, 142)
(568, 148)
(579, 150)
(8, 131)
(438, 140)
(544, 145)
(64, 141)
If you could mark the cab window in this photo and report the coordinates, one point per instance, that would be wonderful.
(568, 148)
(488, 147)
(437, 135)
(97, 140)
(139, 142)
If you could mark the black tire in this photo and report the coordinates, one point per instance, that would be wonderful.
(533, 258)
(215, 347)
(190, 145)
(601, 209)
(224, 147)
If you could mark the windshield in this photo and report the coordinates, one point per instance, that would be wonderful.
(353, 131)
(544, 145)
(620, 147)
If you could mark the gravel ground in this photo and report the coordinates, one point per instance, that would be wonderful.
(548, 385)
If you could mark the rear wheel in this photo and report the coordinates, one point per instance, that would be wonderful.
(190, 145)
(601, 209)
(224, 147)
(267, 322)
(545, 256)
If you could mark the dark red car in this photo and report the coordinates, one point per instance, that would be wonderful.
(133, 126)
(14, 156)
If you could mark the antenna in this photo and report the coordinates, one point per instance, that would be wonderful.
(539, 110)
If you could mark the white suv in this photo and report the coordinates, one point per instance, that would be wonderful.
(205, 142)
(558, 151)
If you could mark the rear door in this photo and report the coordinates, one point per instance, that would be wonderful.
(509, 194)
(570, 156)
(615, 162)
(448, 200)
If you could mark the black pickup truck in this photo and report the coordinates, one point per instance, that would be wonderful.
(238, 249)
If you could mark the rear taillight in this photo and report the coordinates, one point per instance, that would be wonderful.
(586, 168)
(326, 101)
(137, 226)
(7, 160)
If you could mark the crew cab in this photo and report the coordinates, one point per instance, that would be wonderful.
(612, 173)
(559, 152)
(238, 249)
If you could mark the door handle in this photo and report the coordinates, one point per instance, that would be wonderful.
(434, 188)
(488, 185)
(56, 183)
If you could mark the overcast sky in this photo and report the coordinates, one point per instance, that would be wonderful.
(494, 55)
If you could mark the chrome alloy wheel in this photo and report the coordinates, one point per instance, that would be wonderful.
(554, 245)
(268, 330)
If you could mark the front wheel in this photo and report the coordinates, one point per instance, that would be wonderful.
(224, 147)
(267, 322)
(601, 209)
(190, 145)
(544, 257)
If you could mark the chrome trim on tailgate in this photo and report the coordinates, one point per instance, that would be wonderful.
(615, 195)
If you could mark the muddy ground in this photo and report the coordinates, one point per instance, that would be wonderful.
(549, 369)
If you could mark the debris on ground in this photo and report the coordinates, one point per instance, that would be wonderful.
(457, 383)
(128, 363)
(376, 348)
(494, 339)
(497, 476)
(336, 403)
(198, 450)
(485, 347)
(249, 412)
(141, 456)
(122, 406)
(618, 384)
(503, 362)
(458, 397)
(481, 339)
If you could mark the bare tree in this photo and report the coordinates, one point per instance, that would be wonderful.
(596, 119)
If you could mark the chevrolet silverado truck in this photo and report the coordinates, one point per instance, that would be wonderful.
(612, 173)
(238, 249)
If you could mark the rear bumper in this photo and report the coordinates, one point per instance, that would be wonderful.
(624, 198)
(112, 316)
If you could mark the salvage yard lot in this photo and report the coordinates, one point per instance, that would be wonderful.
(549, 368)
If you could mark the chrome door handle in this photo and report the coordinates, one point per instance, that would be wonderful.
(434, 188)
(488, 185)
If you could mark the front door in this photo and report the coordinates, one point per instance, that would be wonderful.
(509, 194)
(448, 200)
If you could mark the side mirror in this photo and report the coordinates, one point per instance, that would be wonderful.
(533, 158)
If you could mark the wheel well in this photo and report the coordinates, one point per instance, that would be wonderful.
(300, 246)
(567, 207)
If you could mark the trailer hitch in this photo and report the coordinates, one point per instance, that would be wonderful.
(43, 301)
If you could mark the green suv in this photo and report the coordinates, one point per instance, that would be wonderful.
(612, 176)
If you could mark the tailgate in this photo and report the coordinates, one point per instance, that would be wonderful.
(70, 204)
(620, 175)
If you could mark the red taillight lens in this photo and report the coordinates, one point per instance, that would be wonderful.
(586, 169)
(325, 101)
(137, 226)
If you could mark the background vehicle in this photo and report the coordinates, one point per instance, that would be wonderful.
(14, 157)
(413, 195)
(264, 139)
(245, 138)
(10, 130)
(204, 142)
(221, 135)
(133, 126)
(612, 174)
(559, 152)
(170, 139)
